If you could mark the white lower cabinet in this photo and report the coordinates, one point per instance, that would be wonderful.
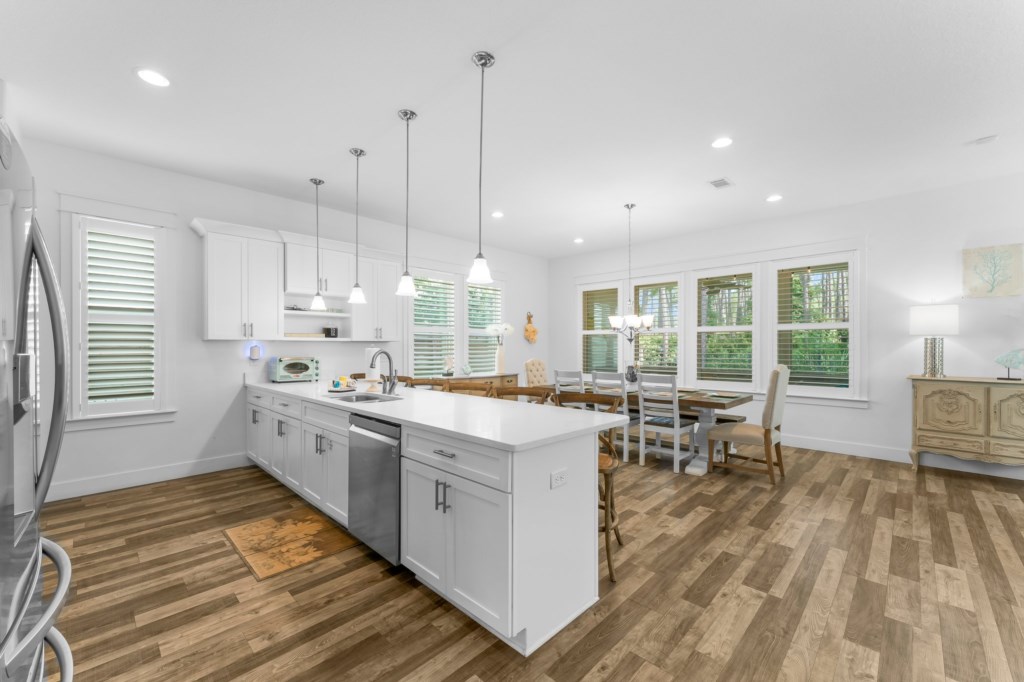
(335, 493)
(312, 463)
(258, 434)
(286, 454)
(457, 538)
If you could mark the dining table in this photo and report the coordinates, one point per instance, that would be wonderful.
(706, 403)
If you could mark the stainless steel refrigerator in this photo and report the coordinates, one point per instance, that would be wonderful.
(33, 336)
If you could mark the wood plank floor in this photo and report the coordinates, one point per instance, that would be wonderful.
(850, 569)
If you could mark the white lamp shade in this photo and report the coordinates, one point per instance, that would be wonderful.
(647, 321)
(615, 321)
(934, 320)
(357, 296)
(479, 273)
(406, 286)
(318, 304)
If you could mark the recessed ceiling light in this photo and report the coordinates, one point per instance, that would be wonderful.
(153, 78)
(578, 240)
(773, 198)
(722, 142)
(497, 214)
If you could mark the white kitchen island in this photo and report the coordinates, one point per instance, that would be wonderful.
(515, 544)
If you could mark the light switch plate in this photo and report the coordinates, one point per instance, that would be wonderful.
(559, 478)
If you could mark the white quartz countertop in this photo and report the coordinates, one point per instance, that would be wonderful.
(503, 424)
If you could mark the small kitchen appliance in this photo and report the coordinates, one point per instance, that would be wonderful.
(284, 369)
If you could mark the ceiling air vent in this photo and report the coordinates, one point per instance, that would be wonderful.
(721, 183)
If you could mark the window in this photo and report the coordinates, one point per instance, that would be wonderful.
(657, 351)
(725, 328)
(600, 341)
(483, 308)
(814, 324)
(433, 319)
(118, 313)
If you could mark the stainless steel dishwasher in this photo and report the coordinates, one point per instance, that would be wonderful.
(374, 484)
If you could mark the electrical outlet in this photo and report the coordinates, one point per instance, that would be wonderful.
(559, 478)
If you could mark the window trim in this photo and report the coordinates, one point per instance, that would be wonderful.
(679, 329)
(76, 214)
(754, 327)
(581, 332)
(469, 333)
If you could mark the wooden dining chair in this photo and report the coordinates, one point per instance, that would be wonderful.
(767, 434)
(536, 372)
(659, 412)
(607, 465)
(568, 380)
(614, 383)
(533, 394)
(429, 384)
(470, 388)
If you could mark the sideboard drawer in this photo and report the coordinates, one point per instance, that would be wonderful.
(486, 465)
(943, 442)
(1007, 449)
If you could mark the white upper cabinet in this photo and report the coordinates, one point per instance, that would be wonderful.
(379, 319)
(336, 271)
(7, 264)
(244, 287)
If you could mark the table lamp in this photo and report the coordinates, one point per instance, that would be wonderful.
(934, 322)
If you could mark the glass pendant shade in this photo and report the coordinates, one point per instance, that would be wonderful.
(647, 321)
(615, 321)
(318, 304)
(406, 285)
(633, 321)
(357, 296)
(480, 273)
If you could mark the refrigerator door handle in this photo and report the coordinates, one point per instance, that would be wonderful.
(61, 361)
(30, 643)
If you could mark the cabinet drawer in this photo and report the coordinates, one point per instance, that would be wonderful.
(489, 466)
(943, 442)
(332, 418)
(258, 397)
(287, 406)
(1002, 448)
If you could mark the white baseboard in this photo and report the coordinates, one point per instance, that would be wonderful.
(61, 490)
(903, 455)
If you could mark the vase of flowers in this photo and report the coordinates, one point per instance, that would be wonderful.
(499, 331)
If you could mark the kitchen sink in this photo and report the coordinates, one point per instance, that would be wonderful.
(366, 398)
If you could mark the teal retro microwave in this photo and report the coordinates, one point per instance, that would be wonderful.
(294, 369)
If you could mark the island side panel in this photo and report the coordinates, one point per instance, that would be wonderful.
(554, 537)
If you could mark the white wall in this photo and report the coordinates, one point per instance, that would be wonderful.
(207, 432)
(911, 254)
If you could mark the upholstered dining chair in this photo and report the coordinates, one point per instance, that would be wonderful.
(470, 388)
(568, 380)
(767, 434)
(659, 412)
(607, 465)
(536, 372)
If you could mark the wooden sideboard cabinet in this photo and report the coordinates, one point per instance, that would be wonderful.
(970, 418)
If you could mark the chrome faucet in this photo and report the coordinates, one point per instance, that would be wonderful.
(391, 380)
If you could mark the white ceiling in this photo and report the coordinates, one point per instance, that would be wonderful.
(591, 103)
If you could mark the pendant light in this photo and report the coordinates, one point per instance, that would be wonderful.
(406, 285)
(357, 296)
(318, 300)
(480, 273)
(630, 323)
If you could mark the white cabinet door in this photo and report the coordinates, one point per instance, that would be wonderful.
(264, 437)
(312, 464)
(265, 289)
(291, 434)
(364, 317)
(7, 265)
(337, 269)
(279, 446)
(479, 560)
(423, 523)
(226, 287)
(388, 307)
(252, 432)
(299, 269)
(335, 494)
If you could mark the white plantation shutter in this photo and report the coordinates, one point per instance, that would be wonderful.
(483, 308)
(725, 331)
(657, 351)
(433, 312)
(814, 324)
(119, 336)
(600, 341)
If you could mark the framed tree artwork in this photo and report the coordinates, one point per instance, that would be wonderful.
(994, 271)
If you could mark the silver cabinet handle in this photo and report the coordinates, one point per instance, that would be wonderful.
(437, 488)
(280, 428)
(243, 330)
(251, 332)
(446, 506)
(30, 642)
(258, 397)
(326, 287)
(445, 453)
(255, 417)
